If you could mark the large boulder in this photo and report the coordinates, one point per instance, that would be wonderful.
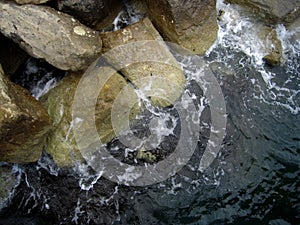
(93, 13)
(140, 54)
(24, 124)
(45, 33)
(272, 11)
(62, 143)
(191, 24)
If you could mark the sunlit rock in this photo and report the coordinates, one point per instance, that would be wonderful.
(21, 2)
(62, 143)
(24, 124)
(139, 52)
(45, 33)
(191, 24)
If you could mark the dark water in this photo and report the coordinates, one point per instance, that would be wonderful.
(253, 180)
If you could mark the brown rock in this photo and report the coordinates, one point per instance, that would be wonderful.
(45, 33)
(191, 24)
(62, 143)
(24, 124)
(139, 52)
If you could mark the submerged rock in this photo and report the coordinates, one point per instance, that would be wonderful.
(45, 33)
(8, 180)
(62, 143)
(24, 124)
(272, 11)
(191, 24)
(96, 14)
(139, 52)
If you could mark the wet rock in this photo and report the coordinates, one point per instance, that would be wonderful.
(272, 11)
(21, 2)
(191, 24)
(45, 33)
(97, 14)
(139, 52)
(61, 143)
(273, 46)
(24, 124)
(11, 56)
(8, 180)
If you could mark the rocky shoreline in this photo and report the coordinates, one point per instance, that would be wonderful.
(70, 35)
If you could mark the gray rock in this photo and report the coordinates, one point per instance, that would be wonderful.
(191, 24)
(8, 181)
(21, 2)
(45, 33)
(24, 124)
(93, 13)
(272, 11)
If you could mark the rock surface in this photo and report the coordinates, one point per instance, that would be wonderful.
(96, 14)
(8, 180)
(21, 2)
(23, 124)
(191, 24)
(139, 52)
(61, 143)
(273, 11)
(273, 46)
(45, 33)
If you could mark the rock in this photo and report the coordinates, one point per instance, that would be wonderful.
(11, 56)
(61, 143)
(24, 124)
(45, 33)
(139, 52)
(97, 14)
(8, 180)
(191, 24)
(273, 46)
(272, 11)
(21, 2)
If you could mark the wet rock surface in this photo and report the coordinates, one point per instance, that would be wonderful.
(23, 124)
(45, 33)
(273, 11)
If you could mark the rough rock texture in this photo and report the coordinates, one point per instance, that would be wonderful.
(273, 46)
(273, 11)
(61, 143)
(191, 23)
(11, 55)
(8, 180)
(96, 14)
(21, 2)
(45, 33)
(23, 124)
(145, 56)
